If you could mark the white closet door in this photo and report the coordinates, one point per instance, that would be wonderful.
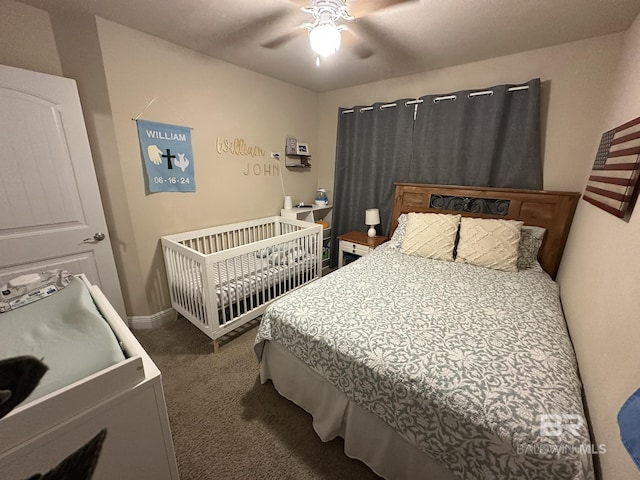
(51, 213)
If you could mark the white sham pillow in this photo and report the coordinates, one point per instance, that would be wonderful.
(398, 233)
(530, 242)
(431, 235)
(488, 242)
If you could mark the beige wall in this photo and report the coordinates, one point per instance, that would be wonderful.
(119, 71)
(26, 39)
(217, 100)
(599, 279)
(81, 58)
(575, 80)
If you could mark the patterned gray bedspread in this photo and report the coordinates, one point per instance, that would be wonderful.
(473, 366)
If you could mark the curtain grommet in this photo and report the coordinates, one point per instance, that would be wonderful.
(480, 94)
(450, 97)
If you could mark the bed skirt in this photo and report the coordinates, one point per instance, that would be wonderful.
(366, 438)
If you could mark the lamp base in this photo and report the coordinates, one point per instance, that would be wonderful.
(372, 231)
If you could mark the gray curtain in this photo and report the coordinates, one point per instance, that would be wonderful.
(373, 150)
(482, 140)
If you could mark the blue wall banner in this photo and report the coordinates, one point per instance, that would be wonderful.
(168, 156)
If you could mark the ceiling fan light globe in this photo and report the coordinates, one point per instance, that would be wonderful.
(325, 39)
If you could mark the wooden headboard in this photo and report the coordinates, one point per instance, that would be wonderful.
(551, 210)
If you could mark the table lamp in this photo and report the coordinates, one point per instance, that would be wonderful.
(372, 218)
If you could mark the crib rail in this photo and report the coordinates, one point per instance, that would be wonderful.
(185, 272)
(222, 277)
(218, 239)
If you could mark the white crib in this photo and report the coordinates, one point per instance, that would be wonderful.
(220, 278)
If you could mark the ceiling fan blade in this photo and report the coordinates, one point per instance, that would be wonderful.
(353, 42)
(253, 28)
(360, 8)
(284, 38)
(377, 35)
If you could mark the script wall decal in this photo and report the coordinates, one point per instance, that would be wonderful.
(239, 147)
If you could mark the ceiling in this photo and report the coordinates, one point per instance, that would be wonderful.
(415, 36)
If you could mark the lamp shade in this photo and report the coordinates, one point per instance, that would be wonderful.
(372, 216)
(325, 39)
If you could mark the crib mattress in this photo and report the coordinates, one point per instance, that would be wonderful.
(66, 331)
(247, 275)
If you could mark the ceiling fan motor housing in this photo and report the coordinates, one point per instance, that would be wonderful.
(324, 33)
(328, 23)
(327, 12)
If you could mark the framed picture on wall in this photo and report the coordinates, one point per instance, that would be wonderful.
(302, 149)
(291, 147)
(613, 184)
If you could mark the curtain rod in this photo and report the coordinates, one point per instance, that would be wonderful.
(437, 99)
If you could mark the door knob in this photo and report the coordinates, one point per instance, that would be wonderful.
(98, 237)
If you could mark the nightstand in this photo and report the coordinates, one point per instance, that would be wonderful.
(357, 243)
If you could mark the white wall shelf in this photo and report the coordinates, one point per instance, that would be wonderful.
(297, 161)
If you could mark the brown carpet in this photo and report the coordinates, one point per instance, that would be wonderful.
(226, 424)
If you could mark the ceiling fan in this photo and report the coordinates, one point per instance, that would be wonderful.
(329, 20)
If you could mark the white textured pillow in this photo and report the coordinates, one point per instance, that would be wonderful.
(431, 235)
(490, 243)
(398, 234)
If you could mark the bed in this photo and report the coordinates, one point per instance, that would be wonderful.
(97, 410)
(440, 369)
(220, 278)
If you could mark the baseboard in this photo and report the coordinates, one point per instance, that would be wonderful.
(143, 322)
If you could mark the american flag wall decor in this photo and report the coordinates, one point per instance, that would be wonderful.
(613, 183)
